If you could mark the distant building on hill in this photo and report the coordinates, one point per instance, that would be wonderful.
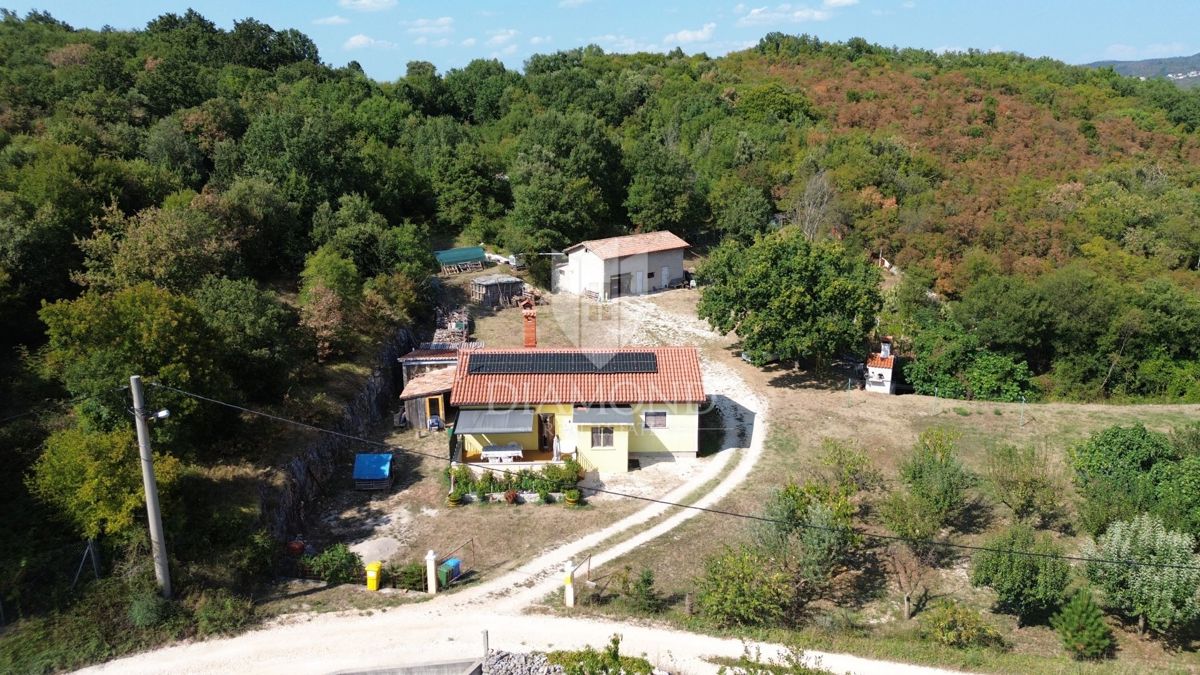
(635, 264)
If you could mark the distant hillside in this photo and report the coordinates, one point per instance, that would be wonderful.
(1182, 70)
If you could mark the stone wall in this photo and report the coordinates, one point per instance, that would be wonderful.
(307, 475)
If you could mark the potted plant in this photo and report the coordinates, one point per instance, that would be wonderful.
(572, 497)
(455, 497)
(510, 496)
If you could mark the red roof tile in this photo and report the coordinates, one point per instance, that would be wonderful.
(632, 244)
(877, 361)
(677, 380)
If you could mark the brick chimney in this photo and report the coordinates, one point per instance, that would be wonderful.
(529, 316)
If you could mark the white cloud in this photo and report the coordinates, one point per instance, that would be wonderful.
(440, 42)
(839, 3)
(739, 8)
(908, 4)
(539, 39)
(685, 36)
(361, 41)
(442, 24)
(624, 44)
(571, 4)
(334, 20)
(469, 42)
(785, 13)
(499, 37)
(367, 5)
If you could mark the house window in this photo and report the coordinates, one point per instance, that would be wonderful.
(654, 420)
(649, 275)
(602, 437)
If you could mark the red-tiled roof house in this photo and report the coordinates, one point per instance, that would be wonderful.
(604, 406)
(629, 265)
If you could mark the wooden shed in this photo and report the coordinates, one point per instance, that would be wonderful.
(493, 290)
(427, 394)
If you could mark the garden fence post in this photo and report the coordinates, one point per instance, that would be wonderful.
(568, 584)
(431, 572)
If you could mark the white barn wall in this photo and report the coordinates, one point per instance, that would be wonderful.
(585, 271)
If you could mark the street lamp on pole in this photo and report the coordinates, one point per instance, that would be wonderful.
(158, 544)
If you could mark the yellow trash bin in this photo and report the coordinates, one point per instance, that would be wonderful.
(374, 572)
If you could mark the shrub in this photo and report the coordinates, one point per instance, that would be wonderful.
(147, 608)
(809, 529)
(588, 661)
(742, 588)
(640, 592)
(913, 519)
(1021, 479)
(936, 476)
(1081, 626)
(1115, 470)
(336, 565)
(220, 612)
(1029, 586)
(1161, 597)
(953, 625)
(410, 576)
(544, 496)
(559, 477)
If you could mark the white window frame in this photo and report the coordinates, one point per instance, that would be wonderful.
(656, 415)
(602, 431)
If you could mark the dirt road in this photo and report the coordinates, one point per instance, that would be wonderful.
(449, 626)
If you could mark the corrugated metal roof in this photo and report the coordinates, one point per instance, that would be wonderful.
(632, 244)
(494, 279)
(676, 380)
(453, 256)
(514, 421)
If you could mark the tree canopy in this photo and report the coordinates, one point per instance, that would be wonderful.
(790, 298)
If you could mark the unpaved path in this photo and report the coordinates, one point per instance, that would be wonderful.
(449, 626)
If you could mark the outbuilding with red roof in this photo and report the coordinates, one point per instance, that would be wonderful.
(633, 264)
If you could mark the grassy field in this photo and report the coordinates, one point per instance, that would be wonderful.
(865, 618)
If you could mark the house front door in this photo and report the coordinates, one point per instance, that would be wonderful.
(545, 432)
(665, 279)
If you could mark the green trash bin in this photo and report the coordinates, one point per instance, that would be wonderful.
(448, 571)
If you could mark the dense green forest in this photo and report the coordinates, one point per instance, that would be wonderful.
(221, 210)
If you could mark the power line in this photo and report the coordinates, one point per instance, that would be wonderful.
(53, 404)
(704, 509)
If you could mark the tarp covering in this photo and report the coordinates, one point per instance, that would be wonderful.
(517, 421)
(372, 466)
(603, 415)
(454, 256)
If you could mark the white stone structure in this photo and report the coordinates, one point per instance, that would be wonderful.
(880, 367)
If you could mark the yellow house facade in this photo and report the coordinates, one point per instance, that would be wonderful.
(646, 431)
(646, 409)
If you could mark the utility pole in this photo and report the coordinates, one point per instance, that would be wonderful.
(157, 542)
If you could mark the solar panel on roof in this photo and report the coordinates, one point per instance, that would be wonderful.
(561, 364)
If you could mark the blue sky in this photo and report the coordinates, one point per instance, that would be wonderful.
(383, 35)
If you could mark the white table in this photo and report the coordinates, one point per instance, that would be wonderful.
(508, 452)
